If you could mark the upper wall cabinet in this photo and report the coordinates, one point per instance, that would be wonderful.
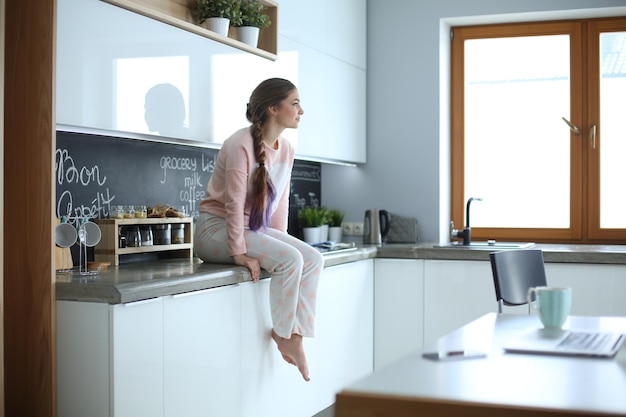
(124, 71)
(334, 27)
(329, 39)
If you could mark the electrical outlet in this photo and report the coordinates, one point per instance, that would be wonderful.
(357, 229)
(347, 228)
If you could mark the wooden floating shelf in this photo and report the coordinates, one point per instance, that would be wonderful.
(178, 13)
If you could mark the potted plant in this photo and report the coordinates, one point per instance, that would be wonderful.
(311, 223)
(216, 15)
(335, 219)
(249, 20)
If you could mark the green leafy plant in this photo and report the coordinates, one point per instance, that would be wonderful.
(250, 13)
(310, 217)
(325, 212)
(335, 217)
(204, 9)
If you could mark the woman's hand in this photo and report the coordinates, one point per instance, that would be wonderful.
(251, 263)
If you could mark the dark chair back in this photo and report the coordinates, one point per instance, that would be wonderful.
(514, 272)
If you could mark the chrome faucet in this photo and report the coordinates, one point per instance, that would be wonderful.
(466, 233)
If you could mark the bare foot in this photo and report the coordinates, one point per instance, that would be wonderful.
(293, 352)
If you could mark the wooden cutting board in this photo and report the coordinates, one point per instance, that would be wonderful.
(62, 257)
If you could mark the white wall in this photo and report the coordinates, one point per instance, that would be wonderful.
(407, 170)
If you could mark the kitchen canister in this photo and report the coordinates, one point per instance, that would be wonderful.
(161, 234)
(178, 233)
(146, 235)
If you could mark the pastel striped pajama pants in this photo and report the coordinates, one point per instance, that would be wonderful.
(295, 267)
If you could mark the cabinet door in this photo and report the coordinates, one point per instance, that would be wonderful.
(202, 353)
(398, 309)
(343, 348)
(347, 33)
(82, 337)
(137, 359)
(597, 290)
(269, 386)
(457, 292)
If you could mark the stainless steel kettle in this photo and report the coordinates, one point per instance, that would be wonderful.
(376, 226)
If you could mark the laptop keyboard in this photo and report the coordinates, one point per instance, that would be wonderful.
(584, 341)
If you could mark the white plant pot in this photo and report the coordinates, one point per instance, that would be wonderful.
(335, 234)
(324, 233)
(312, 234)
(248, 35)
(218, 25)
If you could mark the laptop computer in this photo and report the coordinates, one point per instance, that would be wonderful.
(567, 343)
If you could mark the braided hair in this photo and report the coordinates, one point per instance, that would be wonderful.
(269, 93)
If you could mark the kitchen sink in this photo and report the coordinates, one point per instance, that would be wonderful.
(491, 245)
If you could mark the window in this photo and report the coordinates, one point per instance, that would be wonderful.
(536, 130)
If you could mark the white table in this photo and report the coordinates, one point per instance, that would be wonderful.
(503, 384)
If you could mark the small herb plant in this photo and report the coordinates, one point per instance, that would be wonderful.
(335, 217)
(204, 9)
(310, 217)
(250, 13)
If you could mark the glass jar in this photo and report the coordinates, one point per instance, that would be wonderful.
(129, 212)
(133, 237)
(117, 212)
(141, 212)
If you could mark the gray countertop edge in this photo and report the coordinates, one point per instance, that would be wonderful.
(136, 282)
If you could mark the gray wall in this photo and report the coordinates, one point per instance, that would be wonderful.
(407, 169)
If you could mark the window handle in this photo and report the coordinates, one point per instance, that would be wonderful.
(592, 136)
(572, 126)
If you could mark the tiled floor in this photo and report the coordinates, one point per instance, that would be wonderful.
(327, 412)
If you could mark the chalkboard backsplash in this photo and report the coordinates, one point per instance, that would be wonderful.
(94, 172)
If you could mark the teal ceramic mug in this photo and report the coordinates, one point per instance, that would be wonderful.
(553, 304)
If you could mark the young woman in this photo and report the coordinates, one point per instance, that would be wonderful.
(243, 219)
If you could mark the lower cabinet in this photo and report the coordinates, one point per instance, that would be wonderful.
(339, 354)
(210, 352)
(201, 351)
(109, 359)
(398, 309)
(455, 293)
(597, 290)
(439, 296)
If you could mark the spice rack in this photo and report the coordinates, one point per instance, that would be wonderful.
(108, 250)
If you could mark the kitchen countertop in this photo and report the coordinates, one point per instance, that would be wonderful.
(139, 281)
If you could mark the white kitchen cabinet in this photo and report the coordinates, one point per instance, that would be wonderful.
(597, 290)
(330, 60)
(455, 293)
(210, 352)
(201, 353)
(110, 359)
(398, 309)
(83, 372)
(333, 95)
(346, 22)
(340, 352)
(137, 358)
(335, 27)
(269, 386)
